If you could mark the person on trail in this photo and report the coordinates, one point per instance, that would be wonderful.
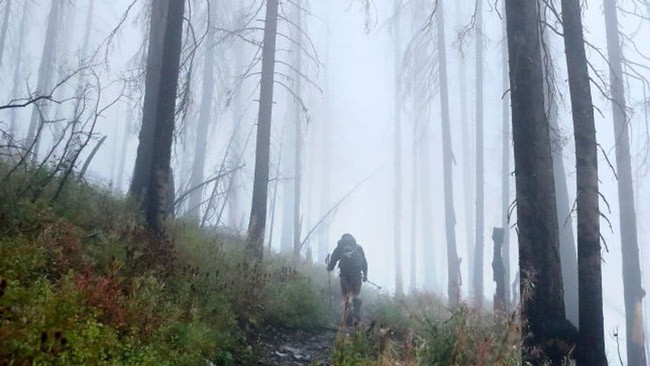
(352, 265)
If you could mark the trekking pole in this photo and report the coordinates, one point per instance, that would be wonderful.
(374, 284)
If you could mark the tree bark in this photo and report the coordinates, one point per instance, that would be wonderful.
(257, 222)
(144, 157)
(539, 260)
(591, 340)
(633, 291)
(498, 270)
(397, 158)
(453, 263)
(158, 187)
(477, 279)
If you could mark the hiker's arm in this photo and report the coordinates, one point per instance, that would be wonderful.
(336, 255)
(364, 266)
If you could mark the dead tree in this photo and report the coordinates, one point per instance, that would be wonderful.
(591, 341)
(397, 158)
(453, 263)
(5, 28)
(257, 222)
(633, 291)
(498, 270)
(505, 169)
(539, 263)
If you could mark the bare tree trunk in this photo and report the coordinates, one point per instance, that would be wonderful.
(498, 270)
(122, 164)
(565, 221)
(505, 174)
(156, 206)
(539, 261)
(323, 235)
(18, 62)
(397, 110)
(632, 288)
(431, 282)
(145, 152)
(297, 185)
(591, 341)
(5, 28)
(45, 72)
(453, 264)
(467, 157)
(257, 223)
(234, 200)
(197, 176)
(477, 278)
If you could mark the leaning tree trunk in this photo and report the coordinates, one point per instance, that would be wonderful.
(632, 288)
(159, 185)
(145, 153)
(197, 176)
(5, 28)
(397, 140)
(45, 74)
(591, 341)
(453, 263)
(539, 262)
(477, 278)
(257, 223)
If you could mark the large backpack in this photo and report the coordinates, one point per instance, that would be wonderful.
(351, 258)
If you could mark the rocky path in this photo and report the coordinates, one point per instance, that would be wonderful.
(285, 348)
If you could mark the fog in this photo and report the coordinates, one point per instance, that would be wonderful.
(348, 131)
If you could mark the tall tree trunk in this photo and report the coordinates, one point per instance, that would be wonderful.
(323, 235)
(591, 340)
(539, 261)
(397, 159)
(565, 222)
(257, 223)
(298, 134)
(145, 152)
(431, 280)
(453, 264)
(505, 173)
(122, 163)
(197, 176)
(477, 279)
(45, 73)
(5, 28)
(160, 186)
(234, 197)
(18, 62)
(632, 288)
(497, 270)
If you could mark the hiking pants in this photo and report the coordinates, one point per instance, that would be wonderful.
(350, 284)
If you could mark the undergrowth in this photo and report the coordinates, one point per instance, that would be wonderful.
(82, 282)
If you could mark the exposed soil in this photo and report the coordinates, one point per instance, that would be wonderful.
(291, 348)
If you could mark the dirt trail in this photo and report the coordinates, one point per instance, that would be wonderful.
(286, 348)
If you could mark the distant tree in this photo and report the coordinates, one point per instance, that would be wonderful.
(18, 64)
(397, 159)
(5, 28)
(591, 341)
(505, 169)
(453, 263)
(298, 117)
(633, 292)
(540, 272)
(163, 65)
(45, 72)
(257, 222)
(477, 278)
(206, 119)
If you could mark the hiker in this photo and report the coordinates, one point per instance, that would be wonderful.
(352, 265)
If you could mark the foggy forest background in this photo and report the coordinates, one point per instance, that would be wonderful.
(390, 121)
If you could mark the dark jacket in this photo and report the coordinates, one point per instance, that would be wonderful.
(341, 255)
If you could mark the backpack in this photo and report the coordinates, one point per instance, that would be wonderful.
(351, 258)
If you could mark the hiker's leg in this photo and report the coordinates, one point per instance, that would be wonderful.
(356, 301)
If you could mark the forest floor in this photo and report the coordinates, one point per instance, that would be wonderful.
(292, 348)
